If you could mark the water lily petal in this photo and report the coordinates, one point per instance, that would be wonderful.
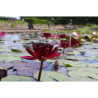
(29, 51)
(53, 55)
(36, 55)
(54, 50)
(28, 57)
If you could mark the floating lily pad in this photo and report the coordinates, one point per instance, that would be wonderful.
(83, 73)
(6, 65)
(73, 68)
(74, 52)
(17, 78)
(51, 76)
(50, 61)
(35, 65)
(89, 69)
(94, 65)
(79, 79)
(18, 64)
(11, 72)
(21, 64)
(9, 58)
(62, 70)
(75, 58)
(72, 63)
(26, 71)
(88, 43)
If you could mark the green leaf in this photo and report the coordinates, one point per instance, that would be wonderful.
(17, 78)
(72, 63)
(78, 73)
(50, 76)
(74, 52)
(79, 79)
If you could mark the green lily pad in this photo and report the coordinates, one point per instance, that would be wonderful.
(3, 68)
(93, 65)
(6, 65)
(75, 58)
(62, 70)
(88, 69)
(74, 52)
(73, 68)
(72, 63)
(21, 64)
(26, 71)
(50, 61)
(9, 58)
(78, 73)
(17, 78)
(79, 79)
(50, 76)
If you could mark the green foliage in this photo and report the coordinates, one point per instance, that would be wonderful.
(36, 20)
(94, 27)
(89, 24)
(83, 30)
(12, 25)
(67, 31)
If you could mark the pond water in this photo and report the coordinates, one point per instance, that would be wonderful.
(88, 53)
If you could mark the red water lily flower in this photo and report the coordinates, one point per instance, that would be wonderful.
(74, 42)
(40, 51)
(62, 36)
(47, 35)
(64, 44)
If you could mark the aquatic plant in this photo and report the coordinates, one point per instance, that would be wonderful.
(64, 44)
(42, 52)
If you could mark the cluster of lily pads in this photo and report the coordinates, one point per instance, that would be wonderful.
(48, 57)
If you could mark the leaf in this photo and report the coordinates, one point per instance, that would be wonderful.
(79, 79)
(72, 63)
(6, 65)
(17, 78)
(36, 65)
(53, 55)
(11, 72)
(62, 70)
(26, 71)
(50, 76)
(93, 65)
(28, 57)
(89, 69)
(74, 52)
(75, 58)
(78, 73)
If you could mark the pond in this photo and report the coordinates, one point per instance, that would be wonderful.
(83, 61)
